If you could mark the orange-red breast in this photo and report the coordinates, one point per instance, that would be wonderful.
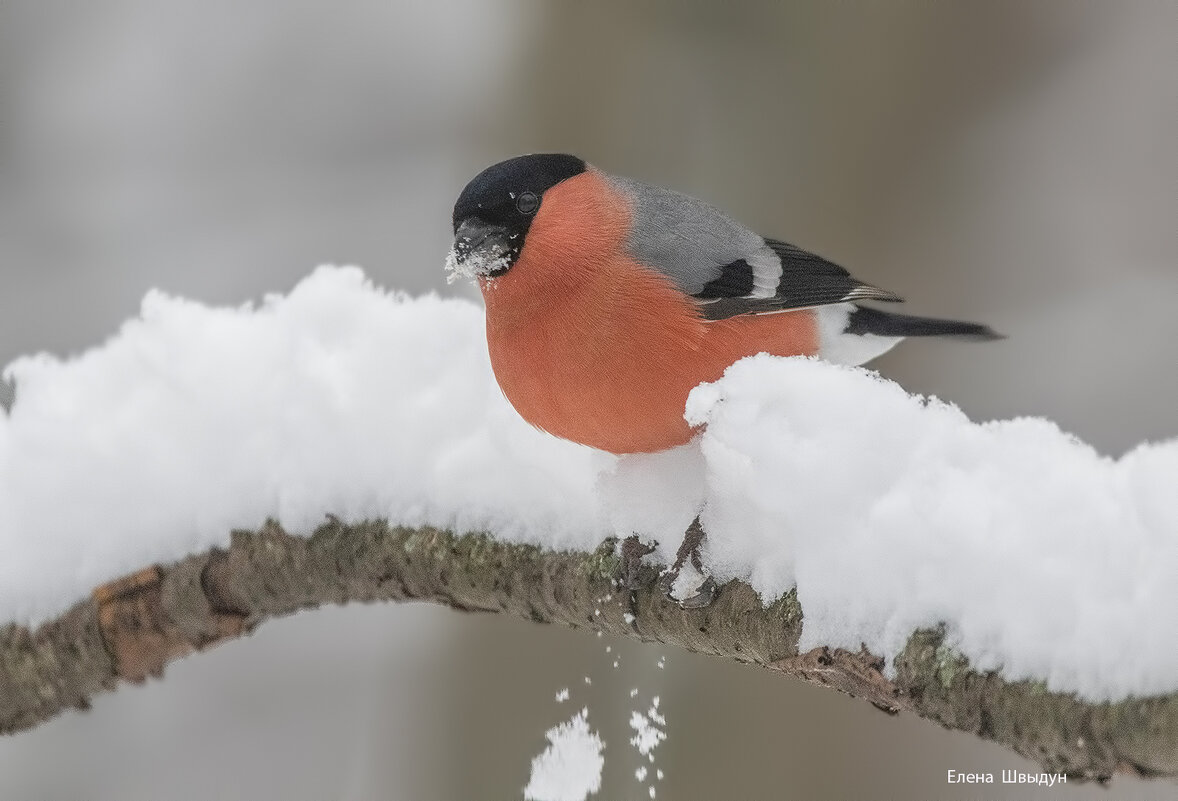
(608, 300)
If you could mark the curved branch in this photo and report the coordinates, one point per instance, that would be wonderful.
(132, 628)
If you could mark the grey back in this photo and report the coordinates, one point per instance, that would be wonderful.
(691, 241)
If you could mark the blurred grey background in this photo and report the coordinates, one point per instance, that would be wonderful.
(1008, 162)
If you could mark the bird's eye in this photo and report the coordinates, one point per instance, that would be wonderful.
(527, 203)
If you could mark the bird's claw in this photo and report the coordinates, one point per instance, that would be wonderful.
(688, 555)
(633, 549)
(688, 564)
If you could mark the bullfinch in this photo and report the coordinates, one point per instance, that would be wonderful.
(608, 300)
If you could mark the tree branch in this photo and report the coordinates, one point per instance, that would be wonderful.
(132, 627)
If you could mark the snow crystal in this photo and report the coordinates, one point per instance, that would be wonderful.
(562, 695)
(476, 263)
(569, 769)
(648, 730)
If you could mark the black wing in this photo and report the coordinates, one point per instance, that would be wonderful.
(806, 280)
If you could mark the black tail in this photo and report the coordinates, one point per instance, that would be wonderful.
(889, 324)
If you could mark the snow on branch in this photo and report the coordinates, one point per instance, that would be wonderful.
(1038, 563)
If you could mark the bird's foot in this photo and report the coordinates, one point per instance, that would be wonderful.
(685, 582)
(633, 549)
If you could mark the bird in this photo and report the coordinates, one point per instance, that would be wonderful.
(608, 300)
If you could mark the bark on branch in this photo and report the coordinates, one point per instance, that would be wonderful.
(131, 628)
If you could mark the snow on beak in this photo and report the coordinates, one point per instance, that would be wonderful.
(480, 250)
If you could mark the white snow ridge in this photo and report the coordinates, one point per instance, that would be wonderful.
(888, 512)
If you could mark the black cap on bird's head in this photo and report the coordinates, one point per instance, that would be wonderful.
(495, 210)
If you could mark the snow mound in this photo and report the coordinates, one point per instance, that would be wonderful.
(887, 512)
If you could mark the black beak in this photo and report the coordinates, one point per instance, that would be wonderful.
(475, 239)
